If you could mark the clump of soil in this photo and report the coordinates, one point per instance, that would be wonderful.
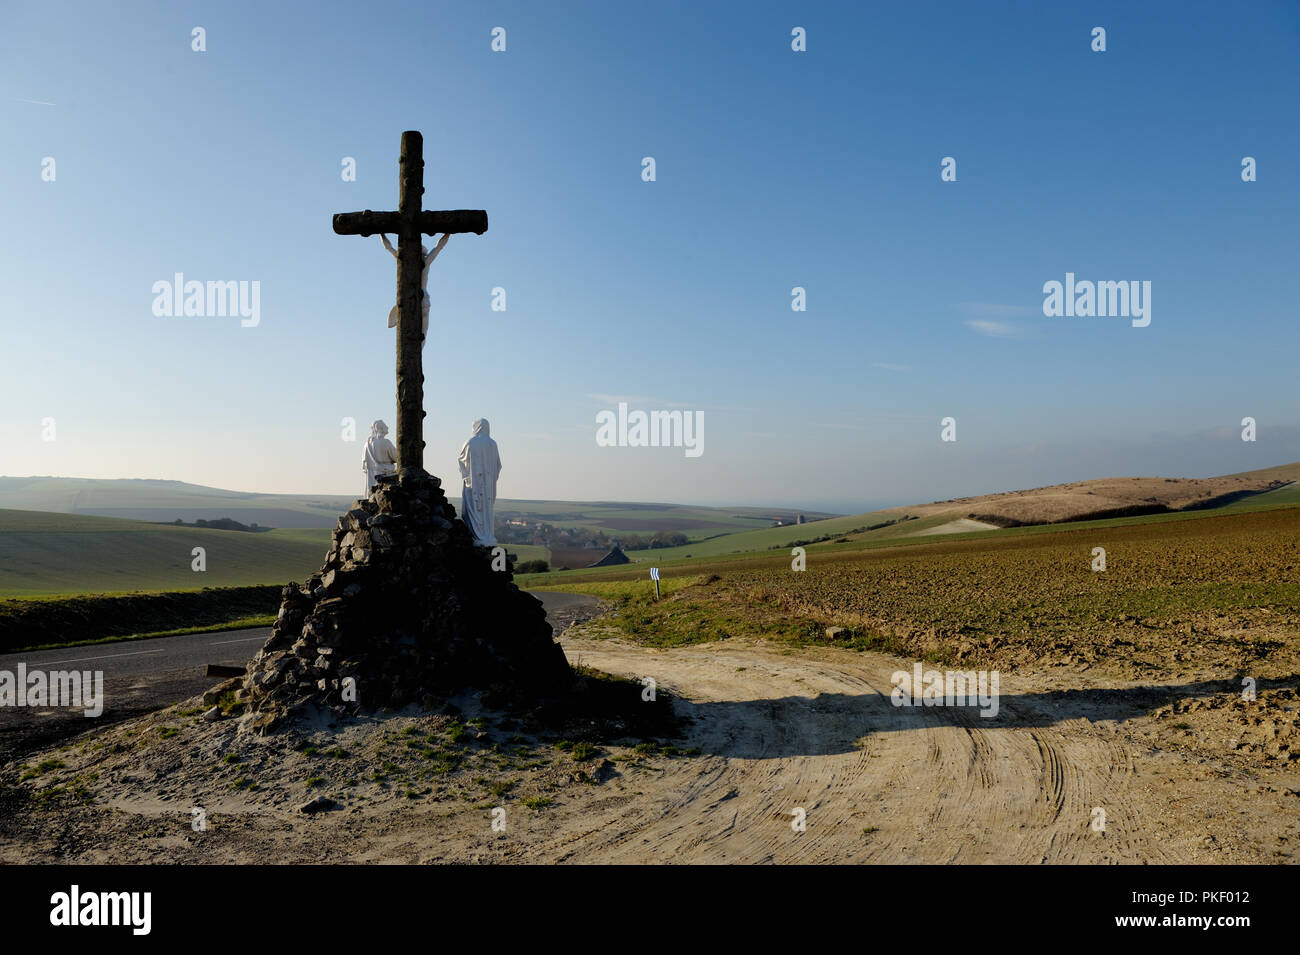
(1264, 730)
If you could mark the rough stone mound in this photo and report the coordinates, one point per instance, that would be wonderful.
(407, 609)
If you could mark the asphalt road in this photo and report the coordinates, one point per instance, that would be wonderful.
(145, 675)
(131, 659)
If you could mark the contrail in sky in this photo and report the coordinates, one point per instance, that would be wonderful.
(35, 102)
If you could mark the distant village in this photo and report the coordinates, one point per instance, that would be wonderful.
(526, 531)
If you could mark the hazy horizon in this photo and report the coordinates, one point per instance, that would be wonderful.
(847, 507)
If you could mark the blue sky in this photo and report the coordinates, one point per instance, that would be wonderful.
(775, 169)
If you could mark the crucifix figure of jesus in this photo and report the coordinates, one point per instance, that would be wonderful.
(427, 258)
(410, 222)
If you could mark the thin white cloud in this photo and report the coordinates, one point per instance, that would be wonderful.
(888, 367)
(34, 102)
(993, 329)
(994, 309)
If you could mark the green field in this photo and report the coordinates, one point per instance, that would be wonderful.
(43, 553)
(615, 518)
(1288, 496)
(46, 553)
(165, 501)
(767, 538)
(529, 551)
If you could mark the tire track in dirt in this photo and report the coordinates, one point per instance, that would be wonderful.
(777, 731)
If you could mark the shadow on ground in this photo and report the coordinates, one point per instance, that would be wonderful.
(831, 723)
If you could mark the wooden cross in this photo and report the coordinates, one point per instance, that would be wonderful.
(410, 222)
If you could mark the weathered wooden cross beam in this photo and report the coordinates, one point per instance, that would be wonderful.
(410, 222)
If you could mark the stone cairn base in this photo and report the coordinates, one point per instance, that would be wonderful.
(407, 609)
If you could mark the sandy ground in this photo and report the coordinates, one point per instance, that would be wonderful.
(963, 525)
(1184, 773)
(817, 731)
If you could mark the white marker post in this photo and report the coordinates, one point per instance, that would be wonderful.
(654, 575)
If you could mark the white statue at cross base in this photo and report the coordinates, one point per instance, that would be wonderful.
(480, 466)
(428, 258)
(379, 457)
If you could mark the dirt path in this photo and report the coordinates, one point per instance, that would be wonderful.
(777, 732)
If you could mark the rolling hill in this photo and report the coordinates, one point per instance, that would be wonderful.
(1080, 501)
(152, 500)
(165, 501)
(44, 553)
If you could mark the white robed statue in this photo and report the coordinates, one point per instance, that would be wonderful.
(428, 258)
(480, 465)
(380, 456)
